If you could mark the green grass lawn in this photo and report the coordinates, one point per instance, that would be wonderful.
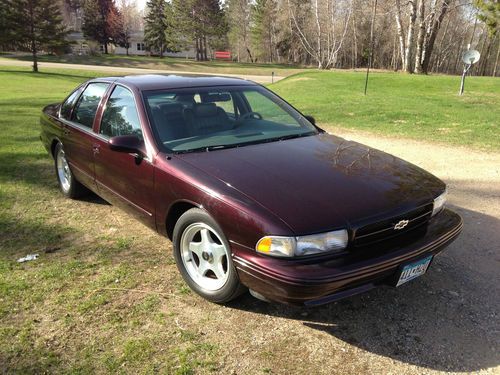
(421, 107)
(105, 295)
(174, 63)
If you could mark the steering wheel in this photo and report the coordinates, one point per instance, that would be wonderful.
(253, 115)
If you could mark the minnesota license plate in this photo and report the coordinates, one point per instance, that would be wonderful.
(413, 270)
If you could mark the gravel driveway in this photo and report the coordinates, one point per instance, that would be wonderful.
(446, 321)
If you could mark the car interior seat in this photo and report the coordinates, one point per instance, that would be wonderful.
(206, 118)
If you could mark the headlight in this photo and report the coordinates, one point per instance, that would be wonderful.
(439, 203)
(303, 245)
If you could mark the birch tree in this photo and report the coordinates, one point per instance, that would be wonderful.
(325, 39)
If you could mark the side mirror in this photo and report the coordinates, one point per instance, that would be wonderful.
(127, 143)
(310, 119)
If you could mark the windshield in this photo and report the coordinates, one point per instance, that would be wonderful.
(204, 119)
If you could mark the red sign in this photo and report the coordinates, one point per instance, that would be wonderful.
(223, 55)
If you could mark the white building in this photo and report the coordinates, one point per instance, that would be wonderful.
(138, 47)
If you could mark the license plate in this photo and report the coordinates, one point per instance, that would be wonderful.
(414, 270)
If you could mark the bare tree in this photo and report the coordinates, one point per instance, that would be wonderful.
(324, 42)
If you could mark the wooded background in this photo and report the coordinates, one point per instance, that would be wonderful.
(418, 36)
(414, 36)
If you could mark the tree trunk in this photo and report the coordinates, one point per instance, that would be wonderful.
(197, 49)
(432, 36)
(35, 56)
(250, 55)
(355, 54)
(439, 59)
(420, 37)
(205, 56)
(401, 33)
(496, 60)
(409, 36)
(33, 37)
(486, 57)
(106, 48)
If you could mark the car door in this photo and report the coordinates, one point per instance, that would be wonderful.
(78, 134)
(124, 179)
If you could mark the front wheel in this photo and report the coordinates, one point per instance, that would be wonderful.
(203, 257)
(68, 184)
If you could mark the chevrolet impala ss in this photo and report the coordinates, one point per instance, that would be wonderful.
(252, 194)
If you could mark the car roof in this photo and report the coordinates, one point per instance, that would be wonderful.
(147, 82)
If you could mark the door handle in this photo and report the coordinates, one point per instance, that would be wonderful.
(96, 148)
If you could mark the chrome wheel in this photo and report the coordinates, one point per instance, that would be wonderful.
(63, 171)
(204, 256)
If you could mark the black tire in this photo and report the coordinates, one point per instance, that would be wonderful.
(71, 187)
(232, 287)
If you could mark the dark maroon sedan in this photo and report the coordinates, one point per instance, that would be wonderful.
(251, 192)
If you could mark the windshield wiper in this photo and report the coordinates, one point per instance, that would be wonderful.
(207, 148)
(289, 136)
(234, 145)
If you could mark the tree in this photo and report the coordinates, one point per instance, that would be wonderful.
(264, 28)
(101, 22)
(35, 25)
(239, 17)
(6, 24)
(323, 42)
(429, 26)
(127, 23)
(155, 25)
(489, 13)
(202, 22)
(406, 41)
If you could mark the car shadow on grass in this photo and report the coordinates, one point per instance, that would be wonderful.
(446, 320)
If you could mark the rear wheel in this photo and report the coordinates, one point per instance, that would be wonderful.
(68, 184)
(203, 257)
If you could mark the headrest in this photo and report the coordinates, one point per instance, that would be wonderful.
(205, 110)
(170, 108)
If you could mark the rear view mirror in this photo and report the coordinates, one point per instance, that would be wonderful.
(214, 97)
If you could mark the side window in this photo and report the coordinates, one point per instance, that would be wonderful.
(67, 106)
(86, 107)
(120, 116)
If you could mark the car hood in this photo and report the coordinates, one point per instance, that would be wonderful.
(322, 182)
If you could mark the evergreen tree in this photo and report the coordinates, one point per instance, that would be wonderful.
(201, 22)
(263, 28)
(155, 25)
(6, 21)
(101, 22)
(489, 13)
(35, 25)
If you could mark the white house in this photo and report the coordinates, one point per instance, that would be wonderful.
(138, 47)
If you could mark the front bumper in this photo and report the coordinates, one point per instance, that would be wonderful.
(322, 280)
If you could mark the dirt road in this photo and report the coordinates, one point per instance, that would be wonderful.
(446, 321)
(122, 70)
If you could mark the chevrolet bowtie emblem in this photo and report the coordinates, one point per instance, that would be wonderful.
(401, 224)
